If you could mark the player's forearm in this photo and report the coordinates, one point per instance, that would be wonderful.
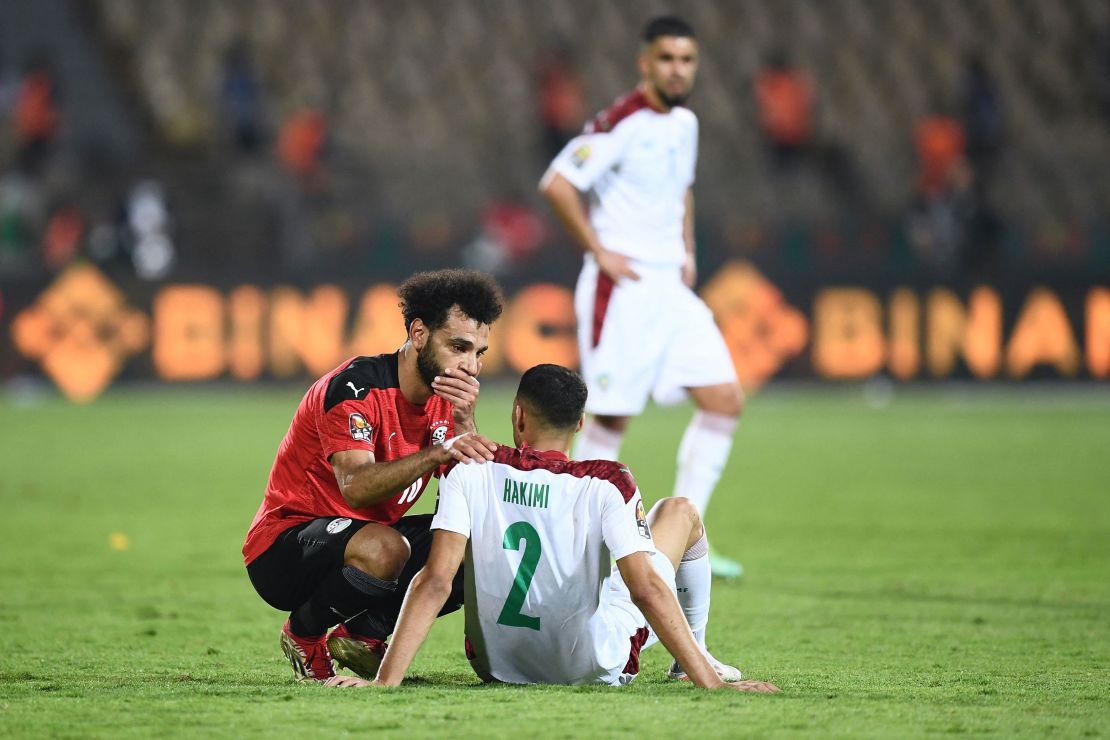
(466, 425)
(423, 602)
(373, 482)
(663, 613)
(688, 223)
(567, 204)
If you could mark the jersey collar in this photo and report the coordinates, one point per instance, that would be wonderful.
(544, 454)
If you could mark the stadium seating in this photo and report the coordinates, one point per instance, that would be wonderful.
(438, 98)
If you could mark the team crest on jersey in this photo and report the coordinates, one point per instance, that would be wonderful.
(603, 381)
(439, 434)
(580, 155)
(641, 521)
(335, 526)
(360, 428)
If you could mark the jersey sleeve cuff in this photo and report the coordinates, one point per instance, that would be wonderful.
(331, 449)
(574, 176)
(457, 528)
(648, 547)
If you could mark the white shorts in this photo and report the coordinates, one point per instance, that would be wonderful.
(647, 337)
(625, 631)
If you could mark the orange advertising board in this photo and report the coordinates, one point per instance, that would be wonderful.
(83, 331)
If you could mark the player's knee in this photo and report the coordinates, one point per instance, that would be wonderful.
(382, 554)
(686, 509)
(677, 508)
(727, 400)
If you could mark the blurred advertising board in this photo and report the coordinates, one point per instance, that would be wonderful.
(85, 332)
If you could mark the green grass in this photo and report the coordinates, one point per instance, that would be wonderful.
(939, 565)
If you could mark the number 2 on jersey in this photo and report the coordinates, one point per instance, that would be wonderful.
(510, 613)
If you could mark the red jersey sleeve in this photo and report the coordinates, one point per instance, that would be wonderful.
(349, 425)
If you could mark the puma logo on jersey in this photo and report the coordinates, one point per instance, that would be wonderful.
(353, 388)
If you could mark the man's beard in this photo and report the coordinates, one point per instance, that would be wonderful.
(426, 364)
(672, 100)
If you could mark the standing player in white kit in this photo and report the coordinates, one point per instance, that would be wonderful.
(543, 604)
(641, 329)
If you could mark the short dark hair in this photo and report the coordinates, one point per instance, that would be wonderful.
(429, 296)
(667, 25)
(556, 394)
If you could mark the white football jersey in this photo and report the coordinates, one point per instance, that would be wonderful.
(541, 533)
(636, 163)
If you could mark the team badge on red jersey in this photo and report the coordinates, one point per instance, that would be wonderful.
(439, 435)
(641, 521)
(360, 428)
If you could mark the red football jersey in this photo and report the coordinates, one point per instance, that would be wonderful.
(357, 406)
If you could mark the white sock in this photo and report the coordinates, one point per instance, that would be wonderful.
(702, 456)
(595, 442)
(693, 580)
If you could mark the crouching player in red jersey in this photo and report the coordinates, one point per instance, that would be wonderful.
(330, 542)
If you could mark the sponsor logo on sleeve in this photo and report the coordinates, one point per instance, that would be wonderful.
(360, 428)
(580, 155)
(641, 520)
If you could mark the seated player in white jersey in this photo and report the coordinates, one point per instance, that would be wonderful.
(537, 531)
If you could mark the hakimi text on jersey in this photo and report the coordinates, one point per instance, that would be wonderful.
(526, 494)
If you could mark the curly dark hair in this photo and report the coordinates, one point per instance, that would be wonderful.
(556, 394)
(430, 295)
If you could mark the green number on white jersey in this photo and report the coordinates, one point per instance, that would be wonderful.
(510, 613)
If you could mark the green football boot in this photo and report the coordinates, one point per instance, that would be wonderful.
(724, 567)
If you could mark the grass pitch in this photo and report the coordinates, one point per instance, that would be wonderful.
(938, 565)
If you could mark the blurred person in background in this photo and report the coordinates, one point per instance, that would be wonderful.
(241, 99)
(562, 100)
(943, 184)
(784, 98)
(786, 103)
(642, 331)
(982, 117)
(330, 542)
(951, 226)
(37, 116)
(301, 144)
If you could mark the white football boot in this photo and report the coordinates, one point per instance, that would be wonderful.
(726, 672)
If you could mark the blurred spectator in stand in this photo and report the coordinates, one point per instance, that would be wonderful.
(510, 234)
(562, 100)
(21, 215)
(951, 227)
(941, 147)
(36, 117)
(63, 236)
(301, 147)
(786, 101)
(943, 170)
(241, 100)
(784, 98)
(982, 119)
(153, 253)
